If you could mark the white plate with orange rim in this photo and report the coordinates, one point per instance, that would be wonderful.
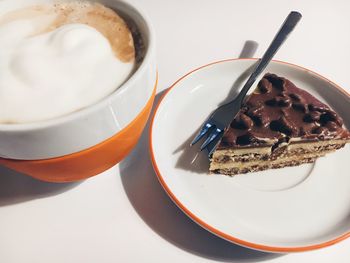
(281, 210)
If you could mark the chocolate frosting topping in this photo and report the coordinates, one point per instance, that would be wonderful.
(278, 111)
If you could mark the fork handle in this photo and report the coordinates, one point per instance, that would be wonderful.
(289, 24)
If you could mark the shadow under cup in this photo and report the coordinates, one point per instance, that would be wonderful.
(92, 140)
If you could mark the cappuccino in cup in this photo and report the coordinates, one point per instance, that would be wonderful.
(58, 58)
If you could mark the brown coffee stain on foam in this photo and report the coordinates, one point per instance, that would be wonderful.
(103, 19)
(98, 16)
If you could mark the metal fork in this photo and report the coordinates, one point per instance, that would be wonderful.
(215, 126)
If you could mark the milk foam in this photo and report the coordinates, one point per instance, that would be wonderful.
(47, 75)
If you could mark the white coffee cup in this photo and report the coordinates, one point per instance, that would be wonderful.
(89, 141)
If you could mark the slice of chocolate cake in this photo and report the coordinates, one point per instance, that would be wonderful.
(279, 125)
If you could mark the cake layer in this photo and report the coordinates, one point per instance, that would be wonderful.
(233, 168)
(250, 154)
(235, 164)
(241, 154)
(290, 155)
(262, 166)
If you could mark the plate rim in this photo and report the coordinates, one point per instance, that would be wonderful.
(200, 222)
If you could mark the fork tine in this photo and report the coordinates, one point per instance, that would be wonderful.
(201, 133)
(211, 137)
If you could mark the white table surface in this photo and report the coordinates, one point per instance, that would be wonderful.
(123, 215)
